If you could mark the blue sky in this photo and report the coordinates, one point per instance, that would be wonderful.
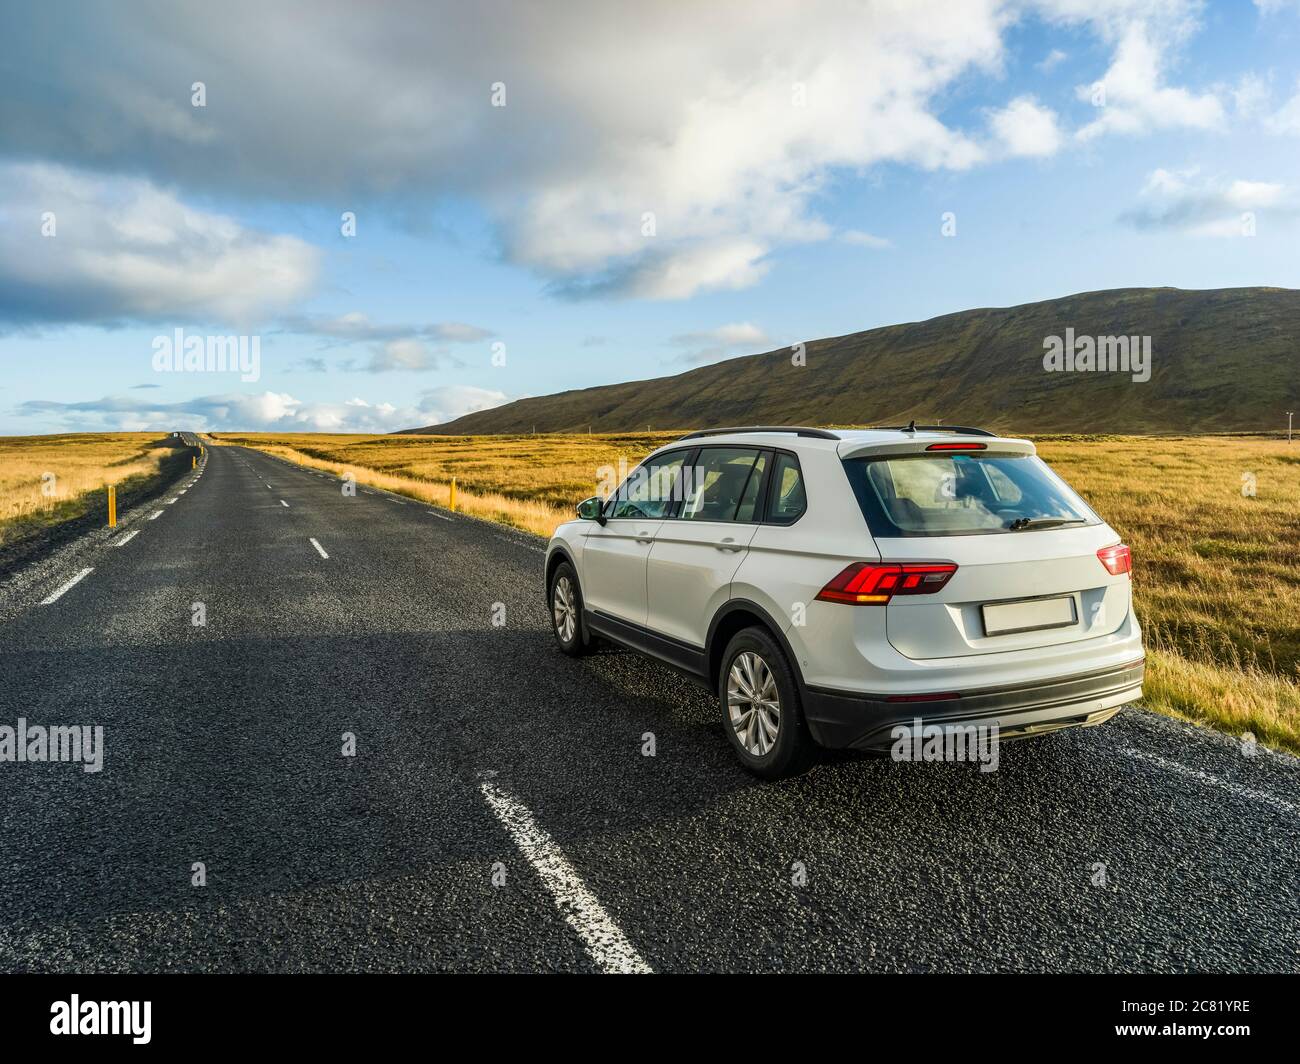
(798, 161)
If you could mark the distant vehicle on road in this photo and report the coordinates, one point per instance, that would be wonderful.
(833, 586)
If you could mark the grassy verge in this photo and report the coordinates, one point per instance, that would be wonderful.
(1212, 522)
(537, 516)
(49, 481)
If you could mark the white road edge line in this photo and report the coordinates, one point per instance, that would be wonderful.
(434, 513)
(605, 942)
(126, 539)
(283, 503)
(1205, 777)
(155, 515)
(170, 501)
(68, 586)
(320, 549)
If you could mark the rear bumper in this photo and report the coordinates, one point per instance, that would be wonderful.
(841, 719)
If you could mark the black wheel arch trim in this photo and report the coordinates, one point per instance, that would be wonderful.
(557, 557)
(769, 622)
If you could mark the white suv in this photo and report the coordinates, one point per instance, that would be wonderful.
(831, 586)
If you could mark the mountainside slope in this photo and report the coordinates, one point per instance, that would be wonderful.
(1222, 360)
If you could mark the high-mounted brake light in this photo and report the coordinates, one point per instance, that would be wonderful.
(875, 583)
(956, 447)
(1117, 559)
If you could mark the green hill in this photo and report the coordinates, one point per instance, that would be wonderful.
(1221, 360)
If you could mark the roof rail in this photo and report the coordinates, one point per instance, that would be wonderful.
(912, 426)
(816, 434)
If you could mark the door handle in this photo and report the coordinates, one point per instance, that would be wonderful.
(729, 545)
(644, 537)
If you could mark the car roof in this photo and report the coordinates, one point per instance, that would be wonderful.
(848, 442)
(828, 439)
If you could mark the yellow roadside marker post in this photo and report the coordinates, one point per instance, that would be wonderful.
(194, 461)
(112, 506)
(453, 495)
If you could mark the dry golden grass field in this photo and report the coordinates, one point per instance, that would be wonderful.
(1214, 523)
(45, 480)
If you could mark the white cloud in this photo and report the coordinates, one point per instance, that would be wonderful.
(861, 239)
(723, 123)
(409, 355)
(1184, 201)
(1135, 99)
(450, 401)
(710, 345)
(267, 412)
(741, 332)
(355, 326)
(1250, 96)
(1050, 61)
(1286, 120)
(1026, 128)
(652, 150)
(675, 273)
(393, 347)
(124, 249)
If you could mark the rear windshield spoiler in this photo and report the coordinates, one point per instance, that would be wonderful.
(883, 448)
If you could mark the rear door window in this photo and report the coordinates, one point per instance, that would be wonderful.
(722, 483)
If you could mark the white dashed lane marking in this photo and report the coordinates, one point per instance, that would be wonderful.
(319, 549)
(155, 515)
(603, 938)
(283, 503)
(67, 587)
(1205, 777)
(124, 540)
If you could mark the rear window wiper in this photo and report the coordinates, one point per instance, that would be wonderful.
(1020, 524)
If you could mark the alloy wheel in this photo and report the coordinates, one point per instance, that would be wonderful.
(753, 703)
(564, 605)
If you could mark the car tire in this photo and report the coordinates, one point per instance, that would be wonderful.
(564, 597)
(755, 668)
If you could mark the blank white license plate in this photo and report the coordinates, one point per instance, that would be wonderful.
(1005, 618)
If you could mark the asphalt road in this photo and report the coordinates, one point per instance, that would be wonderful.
(499, 813)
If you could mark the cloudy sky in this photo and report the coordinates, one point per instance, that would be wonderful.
(419, 210)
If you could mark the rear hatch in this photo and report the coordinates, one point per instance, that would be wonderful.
(1023, 543)
(1016, 591)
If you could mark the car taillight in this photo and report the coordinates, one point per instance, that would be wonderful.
(1117, 559)
(957, 447)
(875, 583)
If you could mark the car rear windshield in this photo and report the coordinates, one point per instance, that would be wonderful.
(960, 494)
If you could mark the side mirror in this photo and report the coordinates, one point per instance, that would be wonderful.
(590, 509)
